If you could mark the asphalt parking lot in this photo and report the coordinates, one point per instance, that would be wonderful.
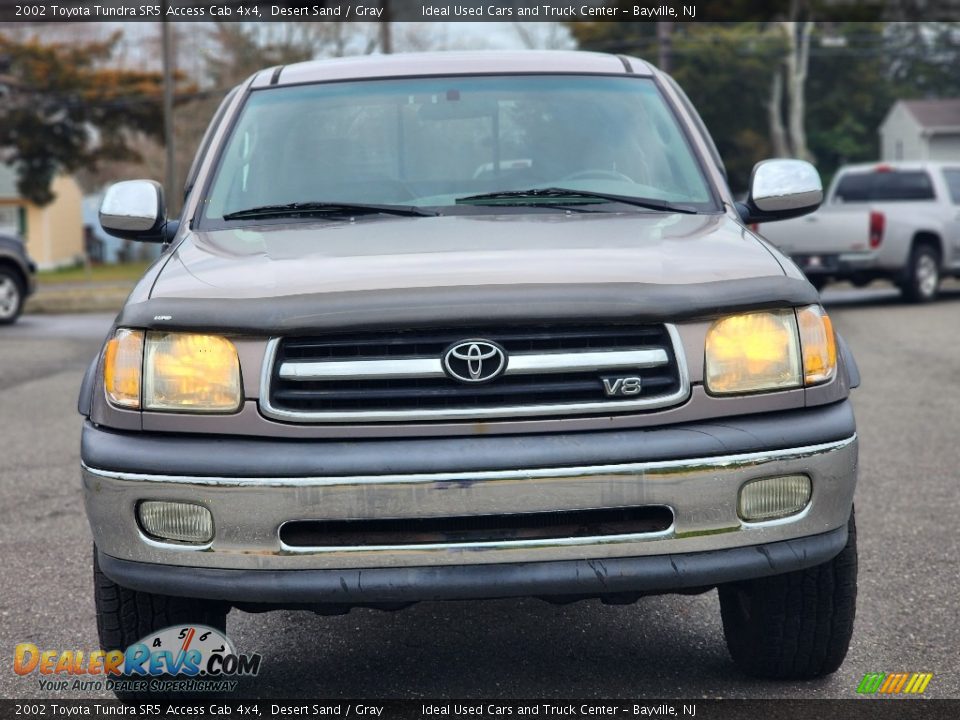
(907, 508)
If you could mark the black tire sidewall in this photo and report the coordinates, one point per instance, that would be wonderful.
(126, 616)
(785, 611)
(18, 284)
(911, 284)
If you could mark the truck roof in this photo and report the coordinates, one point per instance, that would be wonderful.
(899, 165)
(477, 62)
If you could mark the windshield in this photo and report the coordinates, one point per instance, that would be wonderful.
(427, 142)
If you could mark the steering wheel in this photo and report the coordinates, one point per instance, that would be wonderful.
(599, 174)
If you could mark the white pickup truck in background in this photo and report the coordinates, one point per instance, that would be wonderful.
(896, 221)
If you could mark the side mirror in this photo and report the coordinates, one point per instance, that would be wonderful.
(781, 189)
(135, 210)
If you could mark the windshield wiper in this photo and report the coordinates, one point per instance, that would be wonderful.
(325, 208)
(570, 197)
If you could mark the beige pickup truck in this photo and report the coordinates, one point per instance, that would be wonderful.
(365, 374)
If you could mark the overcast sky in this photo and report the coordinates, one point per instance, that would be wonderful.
(141, 44)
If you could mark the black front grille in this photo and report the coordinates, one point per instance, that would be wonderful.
(430, 394)
(563, 524)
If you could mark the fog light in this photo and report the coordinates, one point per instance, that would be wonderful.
(179, 521)
(775, 497)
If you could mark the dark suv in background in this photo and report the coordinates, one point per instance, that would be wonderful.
(16, 278)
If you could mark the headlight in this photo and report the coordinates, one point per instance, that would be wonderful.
(774, 350)
(181, 371)
(753, 352)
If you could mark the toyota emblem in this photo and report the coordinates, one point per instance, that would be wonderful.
(474, 361)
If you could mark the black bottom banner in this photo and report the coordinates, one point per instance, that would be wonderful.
(859, 709)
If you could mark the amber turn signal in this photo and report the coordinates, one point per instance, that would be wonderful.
(121, 368)
(818, 344)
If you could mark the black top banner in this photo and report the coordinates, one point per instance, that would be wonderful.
(469, 10)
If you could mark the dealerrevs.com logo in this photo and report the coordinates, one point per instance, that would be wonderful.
(191, 658)
(899, 683)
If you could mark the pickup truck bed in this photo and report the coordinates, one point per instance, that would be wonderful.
(899, 222)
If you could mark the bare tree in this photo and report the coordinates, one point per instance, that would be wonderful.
(544, 36)
(788, 88)
(665, 45)
(796, 63)
(778, 135)
(418, 37)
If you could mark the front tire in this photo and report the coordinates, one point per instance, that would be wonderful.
(126, 616)
(921, 282)
(795, 626)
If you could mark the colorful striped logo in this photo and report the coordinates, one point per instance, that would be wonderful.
(903, 683)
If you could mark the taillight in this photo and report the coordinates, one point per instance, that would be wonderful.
(878, 222)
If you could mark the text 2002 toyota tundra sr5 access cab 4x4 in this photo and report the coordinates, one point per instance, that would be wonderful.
(472, 325)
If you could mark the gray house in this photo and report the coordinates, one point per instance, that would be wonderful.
(921, 130)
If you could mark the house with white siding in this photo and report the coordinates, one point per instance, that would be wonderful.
(921, 130)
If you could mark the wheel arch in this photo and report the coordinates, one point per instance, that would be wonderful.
(930, 238)
(9, 263)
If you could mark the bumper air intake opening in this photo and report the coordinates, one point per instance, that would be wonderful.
(555, 525)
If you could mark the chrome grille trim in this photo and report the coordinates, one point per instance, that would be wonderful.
(651, 357)
(369, 369)
(519, 364)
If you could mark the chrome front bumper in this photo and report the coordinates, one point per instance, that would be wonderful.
(248, 512)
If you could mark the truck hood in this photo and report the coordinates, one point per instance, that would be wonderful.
(402, 272)
(376, 254)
